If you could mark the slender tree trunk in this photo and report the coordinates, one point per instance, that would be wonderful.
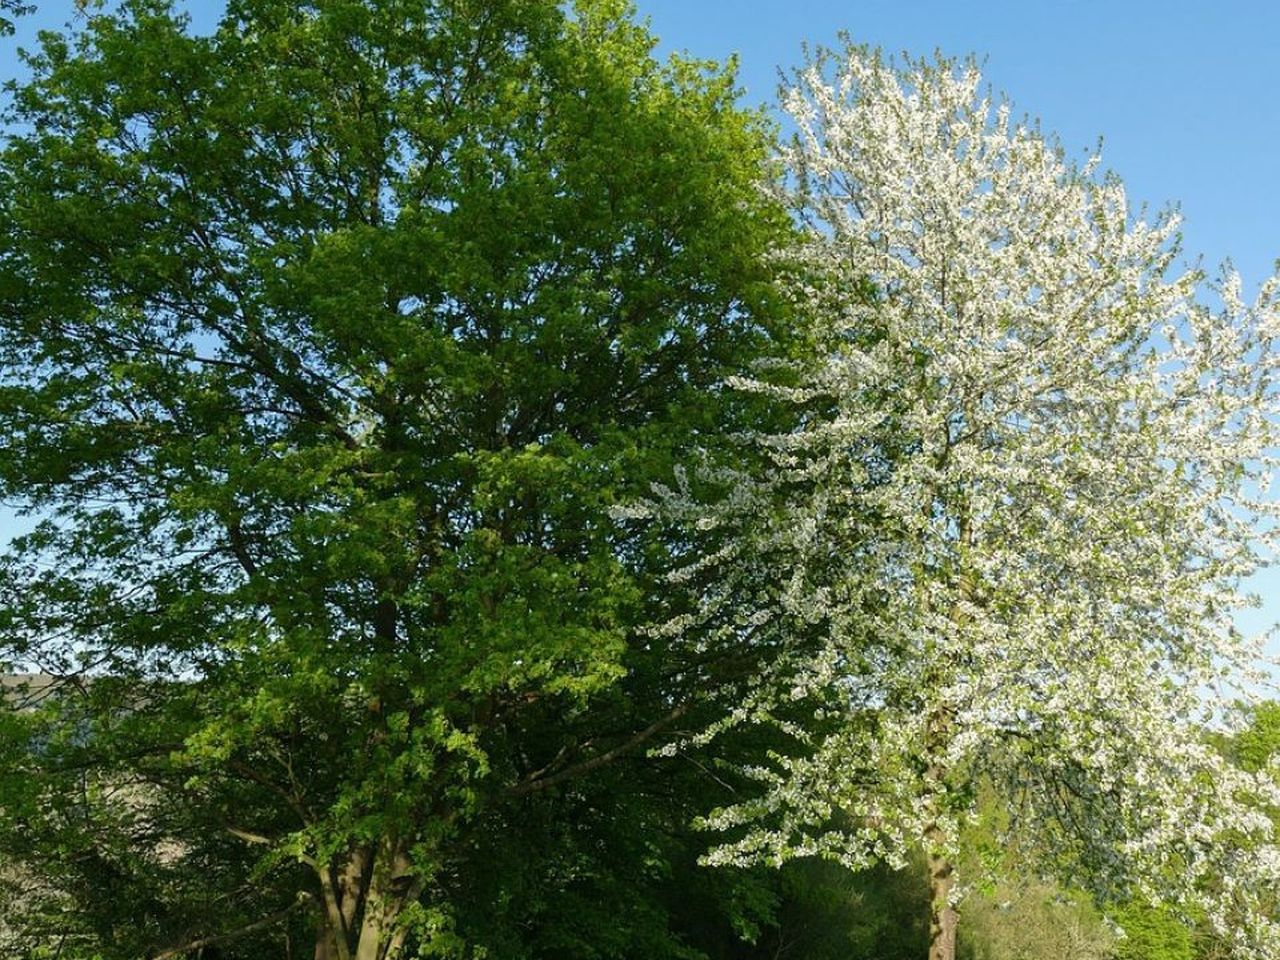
(372, 935)
(331, 938)
(943, 918)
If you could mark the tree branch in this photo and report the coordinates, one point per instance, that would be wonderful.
(268, 921)
(534, 783)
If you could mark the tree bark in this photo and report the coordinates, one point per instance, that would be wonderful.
(943, 918)
(391, 888)
(344, 889)
(326, 949)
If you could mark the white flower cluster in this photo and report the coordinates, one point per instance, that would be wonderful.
(1021, 501)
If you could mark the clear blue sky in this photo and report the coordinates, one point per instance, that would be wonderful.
(1186, 96)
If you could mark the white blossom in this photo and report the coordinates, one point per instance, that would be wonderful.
(1018, 509)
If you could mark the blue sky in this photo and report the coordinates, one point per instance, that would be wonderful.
(1185, 96)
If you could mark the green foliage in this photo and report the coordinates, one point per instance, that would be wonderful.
(1152, 933)
(1255, 746)
(329, 342)
(1015, 912)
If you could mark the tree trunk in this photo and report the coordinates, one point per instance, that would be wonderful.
(392, 887)
(943, 918)
(326, 947)
(344, 889)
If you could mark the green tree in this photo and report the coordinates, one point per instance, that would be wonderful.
(1256, 748)
(328, 341)
(1258, 744)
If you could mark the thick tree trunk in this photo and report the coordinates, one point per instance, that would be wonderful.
(373, 936)
(344, 889)
(391, 888)
(368, 933)
(943, 918)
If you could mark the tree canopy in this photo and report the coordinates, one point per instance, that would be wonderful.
(1020, 506)
(328, 340)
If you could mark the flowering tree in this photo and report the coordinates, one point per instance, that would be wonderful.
(1018, 513)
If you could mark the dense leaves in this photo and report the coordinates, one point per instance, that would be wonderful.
(328, 342)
